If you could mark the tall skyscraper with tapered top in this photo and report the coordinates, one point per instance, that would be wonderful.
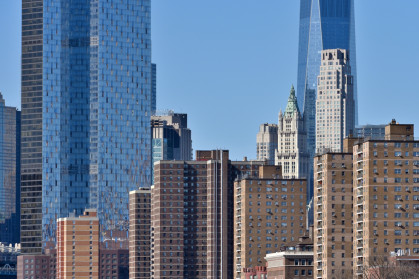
(324, 24)
(86, 105)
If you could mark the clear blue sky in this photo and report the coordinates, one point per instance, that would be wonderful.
(230, 64)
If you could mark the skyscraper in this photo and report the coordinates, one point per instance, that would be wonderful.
(335, 107)
(292, 152)
(9, 173)
(267, 143)
(171, 137)
(324, 25)
(153, 88)
(86, 105)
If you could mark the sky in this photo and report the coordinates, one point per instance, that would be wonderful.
(230, 64)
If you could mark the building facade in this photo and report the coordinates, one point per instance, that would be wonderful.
(323, 25)
(333, 210)
(86, 112)
(270, 212)
(386, 186)
(9, 174)
(292, 152)
(267, 143)
(335, 107)
(294, 261)
(375, 132)
(171, 137)
(37, 266)
(258, 272)
(192, 215)
(139, 234)
(78, 246)
(153, 88)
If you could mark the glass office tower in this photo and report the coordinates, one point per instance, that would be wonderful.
(9, 174)
(95, 120)
(324, 24)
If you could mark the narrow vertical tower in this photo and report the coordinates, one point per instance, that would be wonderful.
(323, 25)
(292, 149)
(86, 99)
(267, 143)
(335, 109)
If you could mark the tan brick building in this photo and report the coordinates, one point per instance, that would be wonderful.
(333, 213)
(270, 212)
(386, 197)
(384, 193)
(294, 261)
(78, 246)
(192, 215)
(139, 233)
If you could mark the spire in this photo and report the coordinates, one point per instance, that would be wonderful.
(292, 105)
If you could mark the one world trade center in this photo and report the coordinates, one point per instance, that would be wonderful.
(324, 24)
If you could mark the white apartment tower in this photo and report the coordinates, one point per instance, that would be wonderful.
(267, 142)
(335, 106)
(292, 152)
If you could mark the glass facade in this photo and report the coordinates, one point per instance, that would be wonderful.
(96, 106)
(153, 88)
(9, 174)
(31, 125)
(324, 24)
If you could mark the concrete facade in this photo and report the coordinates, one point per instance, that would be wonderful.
(292, 153)
(335, 106)
(267, 142)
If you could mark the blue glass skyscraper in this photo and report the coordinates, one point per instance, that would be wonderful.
(96, 105)
(324, 24)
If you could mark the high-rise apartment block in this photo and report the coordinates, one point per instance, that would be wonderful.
(192, 215)
(335, 107)
(333, 214)
(267, 143)
(292, 152)
(78, 246)
(270, 213)
(140, 234)
(386, 199)
(323, 25)
(86, 106)
(365, 204)
(9, 174)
